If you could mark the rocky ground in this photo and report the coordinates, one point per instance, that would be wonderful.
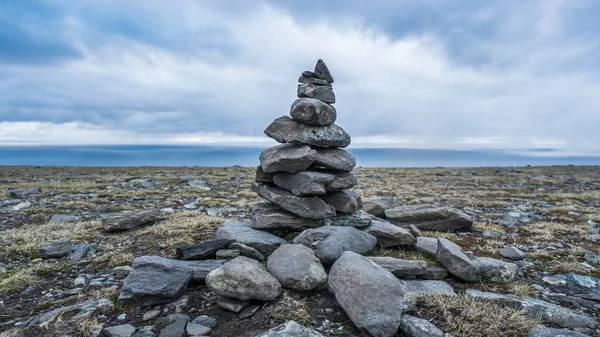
(550, 214)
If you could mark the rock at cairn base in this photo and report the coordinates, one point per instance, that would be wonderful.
(429, 217)
(296, 267)
(330, 242)
(345, 201)
(286, 130)
(270, 217)
(240, 232)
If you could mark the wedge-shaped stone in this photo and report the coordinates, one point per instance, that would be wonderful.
(286, 158)
(345, 201)
(245, 279)
(389, 235)
(306, 207)
(378, 205)
(427, 245)
(330, 242)
(451, 256)
(262, 176)
(402, 269)
(334, 159)
(321, 71)
(241, 232)
(201, 250)
(270, 217)
(372, 297)
(320, 92)
(429, 217)
(313, 111)
(286, 130)
(310, 182)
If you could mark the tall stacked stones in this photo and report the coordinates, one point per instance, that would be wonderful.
(306, 180)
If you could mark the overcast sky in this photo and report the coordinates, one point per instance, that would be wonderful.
(421, 74)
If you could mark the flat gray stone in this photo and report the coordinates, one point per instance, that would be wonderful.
(321, 92)
(544, 331)
(334, 158)
(419, 289)
(240, 232)
(232, 304)
(329, 242)
(63, 218)
(247, 251)
(593, 258)
(451, 256)
(378, 205)
(429, 217)
(290, 329)
(313, 111)
(80, 311)
(125, 221)
(435, 273)
(267, 216)
(537, 308)
(227, 254)
(512, 253)
(311, 182)
(80, 251)
(497, 271)
(307, 207)
(244, 278)
(402, 269)
(286, 130)
(428, 246)
(56, 249)
(202, 250)
(359, 219)
(175, 329)
(372, 297)
(193, 329)
(312, 80)
(208, 321)
(296, 267)
(389, 235)
(346, 201)
(286, 158)
(123, 330)
(322, 72)
(416, 327)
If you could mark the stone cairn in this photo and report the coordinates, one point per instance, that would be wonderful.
(307, 179)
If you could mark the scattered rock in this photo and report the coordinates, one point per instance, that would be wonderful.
(148, 315)
(129, 220)
(206, 321)
(313, 111)
(329, 242)
(402, 269)
(414, 231)
(435, 273)
(175, 329)
(426, 245)
(80, 251)
(593, 258)
(21, 206)
(511, 253)
(202, 250)
(296, 267)
(123, 330)
(193, 329)
(62, 218)
(121, 271)
(244, 279)
(264, 242)
(451, 256)
(418, 289)
(429, 217)
(490, 234)
(270, 217)
(247, 251)
(497, 271)
(416, 327)
(544, 331)
(56, 249)
(286, 130)
(232, 304)
(378, 205)
(81, 311)
(227, 254)
(287, 158)
(290, 329)
(307, 207)
(389, 235)
(248, 312)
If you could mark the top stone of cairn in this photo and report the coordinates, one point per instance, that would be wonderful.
(320, 76)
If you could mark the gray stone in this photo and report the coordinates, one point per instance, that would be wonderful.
(296, 267)
(199, 184)
(194, 329)
(62, 218)
(419, 289)
(402, 269)
(232, 304)
(248, 312)
(123, 330)
(150, 314)
(80, 311)
(286, 130)
(512, 253)
(247, 251)
(537, 308)
(451, 256)
(145, 333)
(56, 249)
(359, 219)
(21, 206)
(593, 258)
(544, 331)
(270, 217)
(290, 329)
(329, 242)
(378, 205)
(262, 176)
(575, 283)
(287, 158)
(372, 297)
(321, 92)
(389, 235)
(414, 231)
(497, 271)
(244, 278)
(129, 220)
(334, 158)
(322, 72)
(428, 246)
(175, 329)
(307, 207)
(240, 232)
(208, 321)
(429, 217)
(121, 271)
(310, 182)
(435, 273)
(313, 80)
(80, 251)
(202, 250)
(346, 201)
(227, 254)
(313, 111)
(416, 327)
(490, 234)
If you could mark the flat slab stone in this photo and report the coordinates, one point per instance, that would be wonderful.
(544, 331)
(389, 235)
(427, 245)
(125, 221)
(290, 329)
(372, 297)
(512, 253)
(313, 112)
(312, 80)
(123, 330)
(311, 182)
(268, 216)
(202, 250)
(296, 267)
(402, 269)
(321, 92)
(307, 207)
(378, 205)
(416, 327)
(56, 249)
(244, 278)
(232, 304)
(286, 130)
(359, 219)
(451, 256)
(429, 217)
(334, 158)
(286, 158)
(418, 289)
(329, 242)
(264, 242)
(346, 201)
(63, 218)
(497, 271)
